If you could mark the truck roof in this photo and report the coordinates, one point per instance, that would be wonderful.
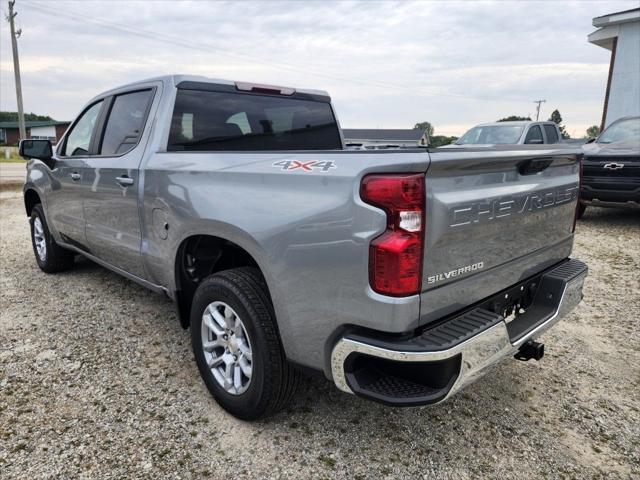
(175, 79)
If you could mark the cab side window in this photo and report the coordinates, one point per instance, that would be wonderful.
(126, 122)
(79, 138)
(534, 135)
(552, 134)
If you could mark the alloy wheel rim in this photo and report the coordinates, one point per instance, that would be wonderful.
(226, 347)
(39, 240)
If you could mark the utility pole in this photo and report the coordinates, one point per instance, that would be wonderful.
(16, 67)
(538, 108)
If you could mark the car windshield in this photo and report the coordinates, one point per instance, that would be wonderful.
(496, 134)
(622, 131)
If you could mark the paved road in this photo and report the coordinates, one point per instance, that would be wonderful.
(12, 172)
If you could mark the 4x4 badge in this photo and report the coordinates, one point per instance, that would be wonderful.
(309, 166)
(614, 166)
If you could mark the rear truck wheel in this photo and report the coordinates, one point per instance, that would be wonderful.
(237, 347)
(581, 209)
(50, 257)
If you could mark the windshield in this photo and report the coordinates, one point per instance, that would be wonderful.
(623, 131)
(497, 134)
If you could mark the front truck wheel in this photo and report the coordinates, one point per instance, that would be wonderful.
(236, 345)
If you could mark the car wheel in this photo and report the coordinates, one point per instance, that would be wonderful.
(50, 257)
(237, 347)
(581, 209)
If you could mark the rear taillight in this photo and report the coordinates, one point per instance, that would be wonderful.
(395, 257)
(575, 214)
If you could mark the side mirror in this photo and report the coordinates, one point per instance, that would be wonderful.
(534, 141)
(40, 149)
(591, 140)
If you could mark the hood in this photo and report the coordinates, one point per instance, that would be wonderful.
(626, 147)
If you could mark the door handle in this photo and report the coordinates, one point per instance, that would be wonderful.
(124, 180)
(75, 176)
(533, 166)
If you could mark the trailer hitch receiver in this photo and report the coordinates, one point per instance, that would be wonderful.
(530, 350)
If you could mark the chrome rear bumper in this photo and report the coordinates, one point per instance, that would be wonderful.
(470, 355)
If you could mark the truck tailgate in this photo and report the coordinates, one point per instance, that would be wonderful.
(498, 215)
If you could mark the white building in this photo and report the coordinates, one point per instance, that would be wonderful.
(620, 33)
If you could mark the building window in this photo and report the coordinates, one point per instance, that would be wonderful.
(43, 137)
(3, 135)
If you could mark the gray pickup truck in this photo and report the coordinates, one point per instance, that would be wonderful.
(401, 275)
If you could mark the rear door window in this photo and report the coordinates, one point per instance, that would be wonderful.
(534, 135)
(552, 134)
(211, 121)
(126, 122)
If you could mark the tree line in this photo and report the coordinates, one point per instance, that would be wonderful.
(28, 117)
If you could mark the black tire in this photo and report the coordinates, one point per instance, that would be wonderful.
(273, 380)
(581, 209)
(56, 258)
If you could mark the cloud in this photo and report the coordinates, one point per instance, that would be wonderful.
(386, 64)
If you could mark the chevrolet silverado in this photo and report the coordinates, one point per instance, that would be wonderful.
(401, 275)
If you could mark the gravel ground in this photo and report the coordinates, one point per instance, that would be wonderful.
(97, 380)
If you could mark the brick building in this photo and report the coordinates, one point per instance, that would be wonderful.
(43, 129)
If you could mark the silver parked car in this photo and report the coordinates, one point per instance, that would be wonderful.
(509, 133)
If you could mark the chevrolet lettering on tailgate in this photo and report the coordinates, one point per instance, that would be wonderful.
(480, 212)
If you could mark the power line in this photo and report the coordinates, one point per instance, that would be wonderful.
(259, 60)
(538, 108)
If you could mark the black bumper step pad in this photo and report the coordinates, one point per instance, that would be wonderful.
(441, 337)
(547, 299)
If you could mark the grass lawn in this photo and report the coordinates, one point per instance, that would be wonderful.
(11, 186)
(11, 159)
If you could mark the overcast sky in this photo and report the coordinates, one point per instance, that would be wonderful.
(385, 64)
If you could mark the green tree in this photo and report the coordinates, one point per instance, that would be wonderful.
(592, 131)
(424, 126)
(434, 140)
(439, 140)
(513, 118)
(557, 119)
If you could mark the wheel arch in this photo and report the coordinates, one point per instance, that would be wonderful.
(31, 199)
(202, 254)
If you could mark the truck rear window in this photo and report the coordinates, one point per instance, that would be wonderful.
(212, 121)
